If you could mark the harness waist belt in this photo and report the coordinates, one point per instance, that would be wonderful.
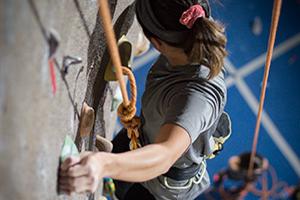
(183, 174)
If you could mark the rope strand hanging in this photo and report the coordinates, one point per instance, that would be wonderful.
(250, 187)
(127, 109)
(272, 37)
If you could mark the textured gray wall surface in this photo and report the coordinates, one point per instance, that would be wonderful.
(33, 120)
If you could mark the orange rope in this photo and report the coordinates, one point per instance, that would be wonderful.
(127, 109)
(272, 36)
(127, 113)
(112, 46)
(264, 193)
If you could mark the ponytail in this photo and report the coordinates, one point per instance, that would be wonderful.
(186, 24)
(207, 46)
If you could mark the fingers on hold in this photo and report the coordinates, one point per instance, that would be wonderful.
(70, 161)
(73, 171)
(63, 180)
(74, 160)
(64, 187)
(63, 173)
(81, 184)
(65, 191)
(72, 182)
(67, 182)
(64, 165)
(78, 170)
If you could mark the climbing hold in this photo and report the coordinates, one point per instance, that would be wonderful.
(117, 100)
(142, 44)
(87, 119)
(68, 61)
(125, 51)
(53, 42)
(103, 144)
(68, 149)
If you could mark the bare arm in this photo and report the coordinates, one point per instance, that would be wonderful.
(134, 166)
(152, 160)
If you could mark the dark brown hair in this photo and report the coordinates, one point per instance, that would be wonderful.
(207, 46)
(204, 43)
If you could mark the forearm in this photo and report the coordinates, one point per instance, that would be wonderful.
(83, 173)
(138, 165)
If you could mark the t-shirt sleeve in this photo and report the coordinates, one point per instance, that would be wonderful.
(190, 110)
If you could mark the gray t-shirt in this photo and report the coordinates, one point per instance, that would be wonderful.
(182, 95)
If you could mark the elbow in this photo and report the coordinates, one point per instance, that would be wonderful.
(167, 158)
(166, 169)
(167, 162)
(161, 167)
(160, 162)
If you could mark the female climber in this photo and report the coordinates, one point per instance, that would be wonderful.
(182, 110)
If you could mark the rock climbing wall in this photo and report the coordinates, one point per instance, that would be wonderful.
(52, 58)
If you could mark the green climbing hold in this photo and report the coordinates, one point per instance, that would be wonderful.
(69, 149)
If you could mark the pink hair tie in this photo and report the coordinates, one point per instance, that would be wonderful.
(189, 17)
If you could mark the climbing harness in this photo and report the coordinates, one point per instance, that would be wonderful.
(194, 180)
(221, 135)
(127, 109)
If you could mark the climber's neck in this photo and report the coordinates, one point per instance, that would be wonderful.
(175, 56)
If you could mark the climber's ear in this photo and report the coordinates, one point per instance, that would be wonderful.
(158, 44)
